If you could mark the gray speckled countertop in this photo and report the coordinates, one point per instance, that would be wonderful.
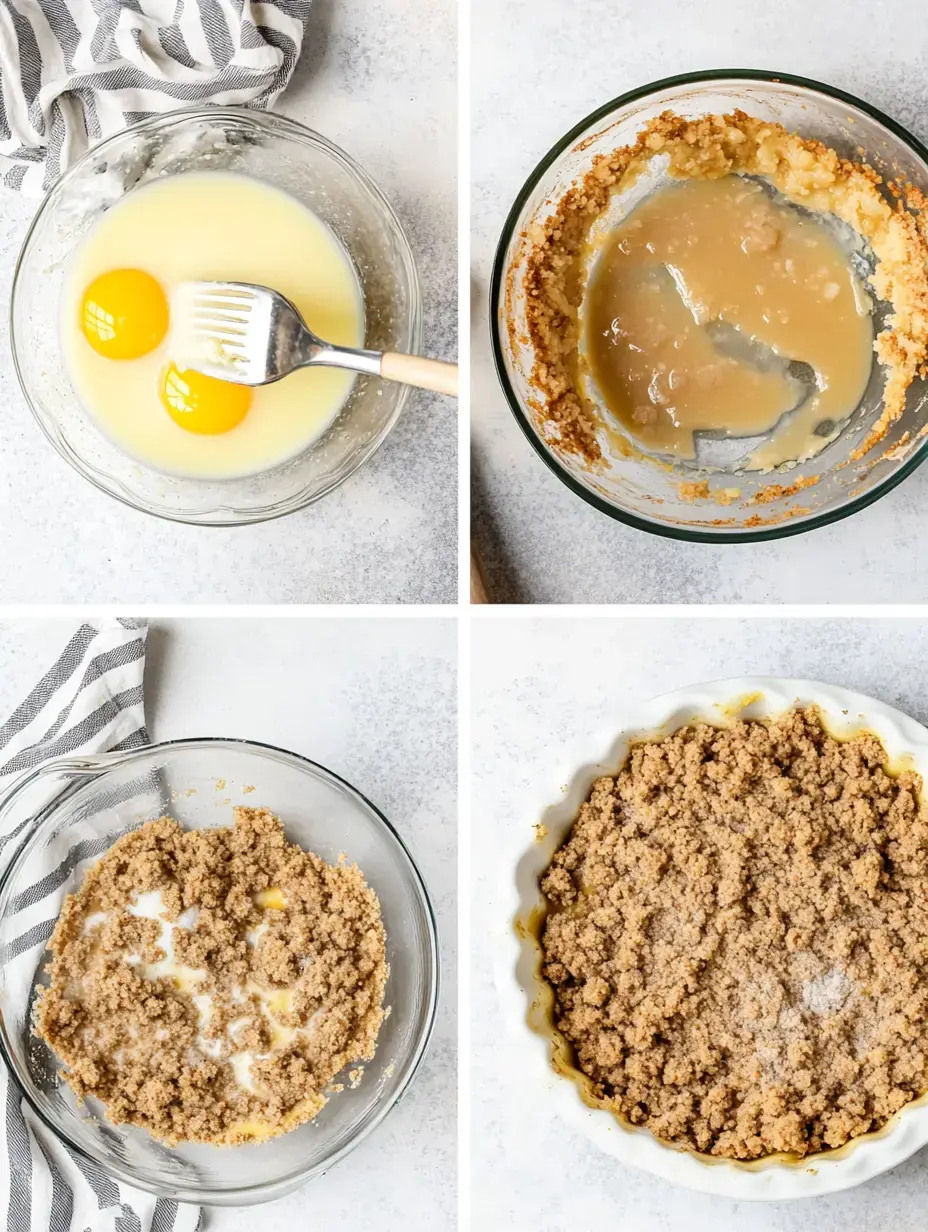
(388, 535)
(537, 71)
(374, 700)
(538, 684)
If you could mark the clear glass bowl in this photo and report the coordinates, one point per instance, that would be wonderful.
(633, 489)
(81, 806)
(285, 155)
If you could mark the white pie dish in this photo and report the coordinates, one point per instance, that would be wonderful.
(525, 997)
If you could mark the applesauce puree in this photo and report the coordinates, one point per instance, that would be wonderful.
(690, 265)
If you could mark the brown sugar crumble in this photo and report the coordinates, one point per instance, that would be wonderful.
(209, 985)
(737, 938)
(806, 172)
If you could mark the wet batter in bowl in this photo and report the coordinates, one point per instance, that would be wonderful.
(210, 985)
(715, 158)
(705, 304)
(116, 329)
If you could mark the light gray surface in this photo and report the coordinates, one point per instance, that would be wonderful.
(538, 68)
(375, 702)
(537, 684)
(378, 78)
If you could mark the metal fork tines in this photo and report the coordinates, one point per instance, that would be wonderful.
(252, 335)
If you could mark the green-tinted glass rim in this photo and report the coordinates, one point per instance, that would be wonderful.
(693, 535)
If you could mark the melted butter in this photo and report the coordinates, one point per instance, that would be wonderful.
(699, 303)
(151, 906)
(280, 1001)
(255, 1128)
(272, 899)
(241, 1068)
(274, 1003)
(94, 920)
(208, 1045)
(281, 1036)
(251, 1129)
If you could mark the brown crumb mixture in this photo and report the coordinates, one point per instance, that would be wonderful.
(807, 172)
(208, 985)
(737, 938)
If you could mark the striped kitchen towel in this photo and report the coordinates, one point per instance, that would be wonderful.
(90, 701)
(74, 71)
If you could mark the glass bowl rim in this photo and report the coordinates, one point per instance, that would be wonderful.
(788, 527)
(293, 129)
(264, 1191)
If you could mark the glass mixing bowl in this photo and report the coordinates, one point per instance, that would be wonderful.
(633, 489)
(285, 155)
(72, 810)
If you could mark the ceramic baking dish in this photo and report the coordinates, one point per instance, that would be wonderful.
(539, 1055)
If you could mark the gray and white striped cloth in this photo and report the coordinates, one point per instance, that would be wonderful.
(74, 71)
(90, 701)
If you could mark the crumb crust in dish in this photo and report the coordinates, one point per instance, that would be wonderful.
(737, 938)
(806, 172)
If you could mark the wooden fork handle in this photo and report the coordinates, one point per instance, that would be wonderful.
(478, 587)
(424, 373)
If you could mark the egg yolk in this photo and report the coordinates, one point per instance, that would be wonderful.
(124, 314)
(202, 403)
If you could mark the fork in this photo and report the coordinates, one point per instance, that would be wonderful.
(251, 335)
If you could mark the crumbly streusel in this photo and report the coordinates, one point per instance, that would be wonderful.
(273, 984)
(737, 938)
